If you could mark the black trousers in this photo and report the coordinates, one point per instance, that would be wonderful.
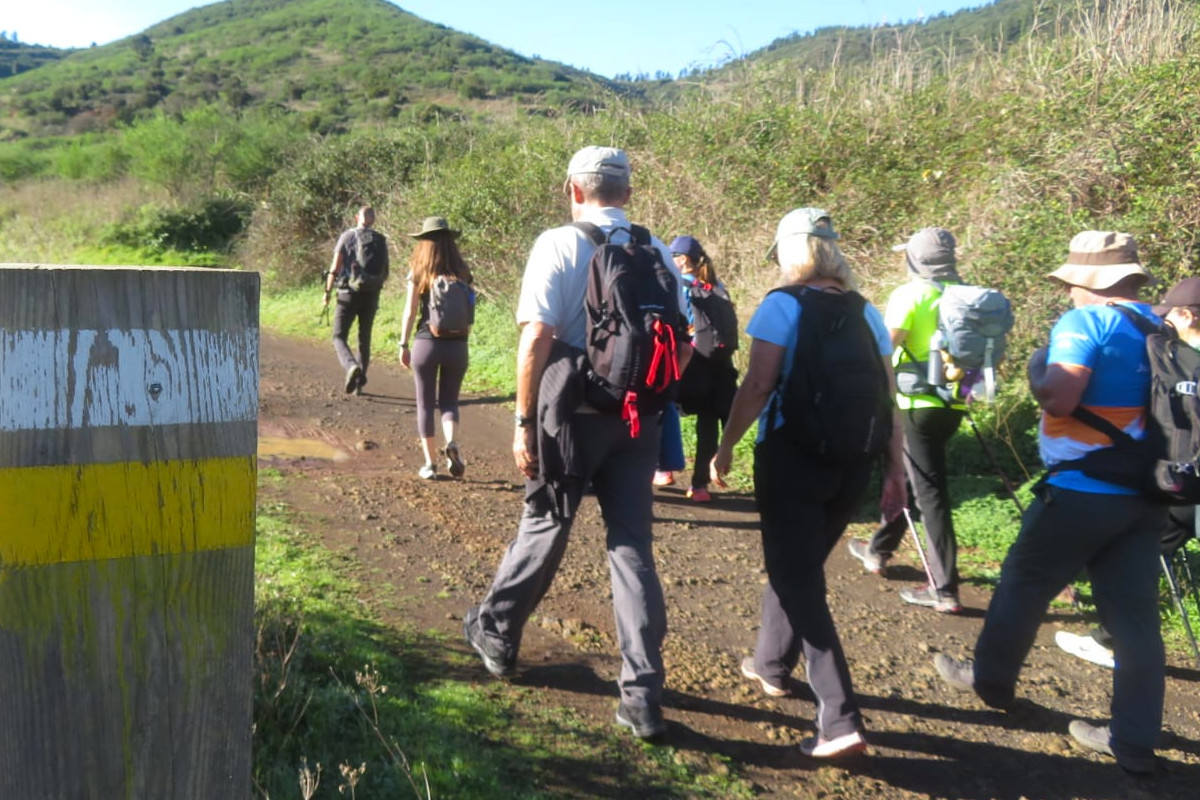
(926, 432)
(804, 506)
(352, 306)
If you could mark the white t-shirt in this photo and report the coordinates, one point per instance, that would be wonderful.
(555, 282)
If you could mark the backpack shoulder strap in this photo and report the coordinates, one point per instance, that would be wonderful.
(640, 235)
(591, 231)
(1144, 325)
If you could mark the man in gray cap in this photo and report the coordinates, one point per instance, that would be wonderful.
(618, 467)
(930, 420)
(1096, 361)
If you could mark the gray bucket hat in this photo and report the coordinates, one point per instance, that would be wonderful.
(930, 254)
(432, 226)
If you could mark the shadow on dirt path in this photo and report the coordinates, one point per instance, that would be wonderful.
(428, 550)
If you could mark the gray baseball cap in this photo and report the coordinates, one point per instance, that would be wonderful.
(807, 220)
(597, 160)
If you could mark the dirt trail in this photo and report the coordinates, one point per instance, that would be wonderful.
(430, 548)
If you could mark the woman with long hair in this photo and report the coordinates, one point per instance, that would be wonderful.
(710, 380)
(439, 284)
(815, 453)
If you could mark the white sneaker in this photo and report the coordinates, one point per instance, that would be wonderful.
(1084, 647)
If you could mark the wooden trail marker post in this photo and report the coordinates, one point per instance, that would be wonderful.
(128, 431)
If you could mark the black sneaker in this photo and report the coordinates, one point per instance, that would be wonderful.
(353, 376)
(454, 461)
(498, 664)
(646, 722)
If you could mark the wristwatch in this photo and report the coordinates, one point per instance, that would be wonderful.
(524, 422)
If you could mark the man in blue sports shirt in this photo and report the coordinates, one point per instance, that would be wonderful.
(1097, 361)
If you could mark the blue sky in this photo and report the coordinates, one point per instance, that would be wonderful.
(629, 37)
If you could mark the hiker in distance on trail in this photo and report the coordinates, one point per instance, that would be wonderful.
(820, 384)
(708, 386)
(586, 415)
(359, 270)
(441, 298)
(930, 414)
(1095, 374)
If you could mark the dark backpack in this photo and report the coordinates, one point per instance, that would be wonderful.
(836, 404)
(974, 323)
(369, 267)
(632, 307)
(714, 320)
(1165, 464)
(450, 304)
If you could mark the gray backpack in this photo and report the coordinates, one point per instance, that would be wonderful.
(974, 323)
(450, 301)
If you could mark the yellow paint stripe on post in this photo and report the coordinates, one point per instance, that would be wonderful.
(90, 512)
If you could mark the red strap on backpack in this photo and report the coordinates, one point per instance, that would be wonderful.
(664, 368)
(629, 413)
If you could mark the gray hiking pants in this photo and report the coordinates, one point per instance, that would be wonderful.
(351, 306)
(620, 470)
(1115, 538)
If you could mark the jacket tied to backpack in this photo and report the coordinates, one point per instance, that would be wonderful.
(633, 326)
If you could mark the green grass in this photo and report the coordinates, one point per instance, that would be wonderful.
(336, 688)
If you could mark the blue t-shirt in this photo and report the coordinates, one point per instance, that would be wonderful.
(1101, 340)
(777, 321)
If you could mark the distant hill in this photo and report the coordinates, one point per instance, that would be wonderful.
(336, 61)
(17, 57)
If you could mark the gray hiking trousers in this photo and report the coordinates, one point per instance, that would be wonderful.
(620, 470)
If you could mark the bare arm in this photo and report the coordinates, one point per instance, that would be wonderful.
(895, 494)
(762, 374)
(335, 267)
(533, 352)
(406, 321)
(1058, 388)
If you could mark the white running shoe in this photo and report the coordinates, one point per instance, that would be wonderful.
(1084, 647)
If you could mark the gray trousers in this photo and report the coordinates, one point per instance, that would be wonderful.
(351, 306)
(620, 470)
(1115, 538)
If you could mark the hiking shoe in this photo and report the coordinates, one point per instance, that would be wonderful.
(769, 687)
(427, 472)
(646, 722)
(495, 662)
(699, 494)
(873, 562)
(1097, 738)
(944, 602)
(960, 675)
(1084, 647)
(454, 461)
(663, 478)
(837, 747)
(362, 381)
(353, 377)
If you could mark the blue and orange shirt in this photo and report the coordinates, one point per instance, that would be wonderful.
(1101, 340)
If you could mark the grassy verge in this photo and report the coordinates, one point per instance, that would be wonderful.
(346, 707)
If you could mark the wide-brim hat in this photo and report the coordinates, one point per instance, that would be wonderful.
(1186, 293)
(1100, 260)
(432, 226)
(931, 254)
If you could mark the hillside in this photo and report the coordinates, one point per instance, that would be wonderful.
(330, 60)
(17, 57)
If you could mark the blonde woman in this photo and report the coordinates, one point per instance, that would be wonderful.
(438, 359)
(806, 496)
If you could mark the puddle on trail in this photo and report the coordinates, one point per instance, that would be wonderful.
(283, 447)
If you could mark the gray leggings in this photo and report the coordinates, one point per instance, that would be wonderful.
(439, 366)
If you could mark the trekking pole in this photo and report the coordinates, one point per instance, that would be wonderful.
(920, 550)
(987, 451)
(1181, 552)
(323, 316)
(1187, 625)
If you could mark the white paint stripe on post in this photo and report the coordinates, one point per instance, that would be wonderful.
(132, 378)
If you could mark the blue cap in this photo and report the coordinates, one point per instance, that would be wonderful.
(687, 246)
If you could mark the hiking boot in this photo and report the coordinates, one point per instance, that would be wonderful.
(1098, 739)
(699, 494)
(362, 381)
(663, 477)
(960, 675)
(353, 378)
(494, 661)
(646, 722)
(427, 472)
(770, 688)
(454, 461)
(873, 562)
(944, 602)
(837, 747)
(1084, 647)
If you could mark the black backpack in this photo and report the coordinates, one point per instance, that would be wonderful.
(836, 404)
(369, 267)
(1165, 464)
(633, 319)
(714, 320)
